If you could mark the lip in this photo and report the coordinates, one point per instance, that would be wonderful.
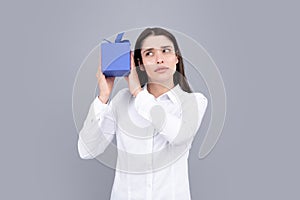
(161, 69)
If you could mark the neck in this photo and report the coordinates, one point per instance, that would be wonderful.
(157, 89)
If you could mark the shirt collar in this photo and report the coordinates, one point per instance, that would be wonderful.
(172, 94)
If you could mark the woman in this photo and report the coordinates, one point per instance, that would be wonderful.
(154, 120)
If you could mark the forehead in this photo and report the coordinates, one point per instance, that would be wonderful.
(156, 42)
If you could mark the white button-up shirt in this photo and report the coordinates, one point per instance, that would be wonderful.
(153, 137)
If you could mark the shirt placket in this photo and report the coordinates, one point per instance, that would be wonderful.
(149, 175)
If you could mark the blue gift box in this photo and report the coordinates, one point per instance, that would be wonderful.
(115, 57)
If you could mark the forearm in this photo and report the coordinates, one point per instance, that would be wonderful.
(97, 132)
(177, 128)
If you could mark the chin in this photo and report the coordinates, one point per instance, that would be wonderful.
(162, 80)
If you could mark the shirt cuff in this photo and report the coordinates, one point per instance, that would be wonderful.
(98, 106)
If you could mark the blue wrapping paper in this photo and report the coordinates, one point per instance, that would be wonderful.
(115, 57)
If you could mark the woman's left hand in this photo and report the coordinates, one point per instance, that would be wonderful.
(133, 78)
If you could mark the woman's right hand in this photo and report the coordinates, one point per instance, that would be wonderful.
(105, 85)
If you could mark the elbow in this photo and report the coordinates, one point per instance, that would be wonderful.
(84, 152)
(84, 155)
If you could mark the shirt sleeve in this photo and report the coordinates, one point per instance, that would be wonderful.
(98, 130)
(177, 130)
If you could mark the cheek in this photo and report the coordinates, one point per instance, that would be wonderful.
(146, 67)
(176, 60)
(148, 61)
(148, 64)
(173, 62)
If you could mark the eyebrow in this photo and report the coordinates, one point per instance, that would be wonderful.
(168, 46)
(149, 49)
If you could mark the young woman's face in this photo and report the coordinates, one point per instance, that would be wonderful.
(159, 58)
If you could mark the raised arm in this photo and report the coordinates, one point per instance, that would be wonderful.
(98, 130)
(99, 126)
(177, 130)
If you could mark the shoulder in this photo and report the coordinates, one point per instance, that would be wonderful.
(201, 101)
(198, 102)
(198, 96)
(194, 99)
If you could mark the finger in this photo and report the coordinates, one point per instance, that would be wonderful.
(99, 73)
(132, 64)
(100, 59)
(100, 63)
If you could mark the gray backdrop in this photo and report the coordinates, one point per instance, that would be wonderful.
(254, 43)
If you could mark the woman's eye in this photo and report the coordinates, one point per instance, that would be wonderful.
(149, 53)
(166, 50)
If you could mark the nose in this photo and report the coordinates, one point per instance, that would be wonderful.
(159, 57)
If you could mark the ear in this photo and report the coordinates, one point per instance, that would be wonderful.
(142, 68)
(177, 60)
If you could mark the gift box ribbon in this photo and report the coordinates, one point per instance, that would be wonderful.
(119, 39)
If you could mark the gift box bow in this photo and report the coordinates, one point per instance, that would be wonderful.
(119, 39)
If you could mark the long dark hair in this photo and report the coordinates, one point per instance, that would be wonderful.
(179, 75)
